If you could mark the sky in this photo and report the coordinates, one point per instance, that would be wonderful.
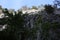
(17, 4)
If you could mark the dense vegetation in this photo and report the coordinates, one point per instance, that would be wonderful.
(17, 30)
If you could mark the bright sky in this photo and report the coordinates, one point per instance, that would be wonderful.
(16, 4)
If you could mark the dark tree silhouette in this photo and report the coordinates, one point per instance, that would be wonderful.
(49, 9)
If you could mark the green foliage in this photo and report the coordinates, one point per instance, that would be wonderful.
(34, 7)
(5, 10)
(15, 26)
(49, 9)
(46, 26)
